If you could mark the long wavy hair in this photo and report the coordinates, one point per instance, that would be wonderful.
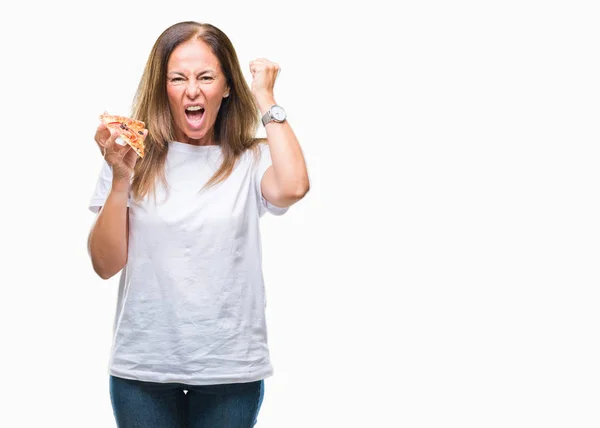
(236, 123)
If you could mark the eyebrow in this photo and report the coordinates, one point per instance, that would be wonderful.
(179, 73)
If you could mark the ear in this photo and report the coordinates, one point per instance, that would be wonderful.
(226, 94)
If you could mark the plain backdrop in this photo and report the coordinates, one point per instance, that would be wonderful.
(443, 269)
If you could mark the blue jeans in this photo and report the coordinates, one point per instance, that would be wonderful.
(138, 404)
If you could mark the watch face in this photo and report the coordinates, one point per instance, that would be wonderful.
(277, 113)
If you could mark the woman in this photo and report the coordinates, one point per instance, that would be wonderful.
(182, 226)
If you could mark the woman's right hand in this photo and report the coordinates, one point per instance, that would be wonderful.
(120, 158)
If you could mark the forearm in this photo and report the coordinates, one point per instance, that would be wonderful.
(287, 158)
(108, 238)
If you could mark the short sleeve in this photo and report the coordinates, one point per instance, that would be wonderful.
(102, 189)
(263, 164)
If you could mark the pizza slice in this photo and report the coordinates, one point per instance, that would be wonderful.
(130, 130)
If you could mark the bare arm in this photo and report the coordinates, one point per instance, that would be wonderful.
(286, 181)
(108, 239)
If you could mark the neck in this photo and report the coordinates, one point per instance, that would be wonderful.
(207, 140)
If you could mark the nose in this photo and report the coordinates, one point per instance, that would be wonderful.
(193, 89)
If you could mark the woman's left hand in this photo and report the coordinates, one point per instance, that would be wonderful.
(264, 73)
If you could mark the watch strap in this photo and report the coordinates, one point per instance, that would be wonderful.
(266, 117)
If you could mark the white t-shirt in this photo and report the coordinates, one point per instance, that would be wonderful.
(191, 300)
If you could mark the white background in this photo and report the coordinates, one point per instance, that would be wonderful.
(443, 270)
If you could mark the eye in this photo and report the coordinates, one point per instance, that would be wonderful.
(206, 78)
(177, 79)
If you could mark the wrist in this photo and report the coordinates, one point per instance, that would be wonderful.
(275, 113)
(121, 185)
(265, 102)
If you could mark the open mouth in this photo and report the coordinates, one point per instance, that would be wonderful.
(194, 114)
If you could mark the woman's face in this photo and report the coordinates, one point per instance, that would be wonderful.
(195, 87)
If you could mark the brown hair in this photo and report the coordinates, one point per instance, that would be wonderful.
(237, 120)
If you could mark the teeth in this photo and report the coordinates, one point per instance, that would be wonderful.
(194, 108)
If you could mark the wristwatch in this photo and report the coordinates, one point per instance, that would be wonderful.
(274, 114)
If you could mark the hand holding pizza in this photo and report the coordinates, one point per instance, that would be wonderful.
(264, 74)
(120, 158)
